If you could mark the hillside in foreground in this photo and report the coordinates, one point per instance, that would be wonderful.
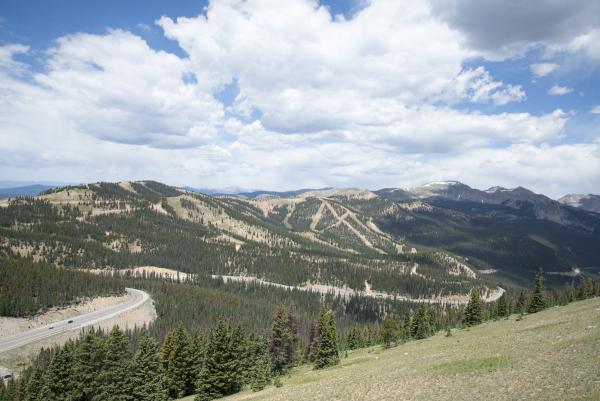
(552, 355)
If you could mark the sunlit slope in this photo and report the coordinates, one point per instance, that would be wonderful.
(316, 238)
(552, 355)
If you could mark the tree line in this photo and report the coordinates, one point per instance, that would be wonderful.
(27, 288)
(108, 367)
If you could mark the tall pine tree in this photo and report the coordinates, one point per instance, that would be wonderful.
(222, 373)
(474, 310)
(327, 353)
(58, 380)
(147, 383)
(89, 361)
(502, 308)
(115, 380)
(35, 384)
(538, 300)
(177, 363)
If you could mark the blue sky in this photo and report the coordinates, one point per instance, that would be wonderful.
(280, 95)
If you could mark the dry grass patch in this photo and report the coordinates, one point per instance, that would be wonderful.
(553, 355)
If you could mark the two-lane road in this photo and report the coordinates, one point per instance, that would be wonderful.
(75, 323)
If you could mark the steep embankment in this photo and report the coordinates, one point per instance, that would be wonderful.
(552, 355)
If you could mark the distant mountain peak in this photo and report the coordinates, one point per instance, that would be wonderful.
(589, 202)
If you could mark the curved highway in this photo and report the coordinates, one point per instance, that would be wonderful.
(75, 323)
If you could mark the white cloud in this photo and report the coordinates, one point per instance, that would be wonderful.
(588, 43)
(595, 109)
(114, 87)
(542, 69)
(370, 101)
(477, 85)
(558, 90)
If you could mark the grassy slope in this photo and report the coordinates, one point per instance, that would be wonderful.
(553, 355)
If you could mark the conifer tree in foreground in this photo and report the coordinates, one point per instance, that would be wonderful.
(502, 307)
(327, 348)
(115, 379)
(147, 383)
(355, 339)
(474, 310)
(34, 386)
(89, 360)
(521, 302)
(197, 355)
(407, 329)
(176, 360)
(389, 332)
(538, 301)
(58, 381)
(283, 339)
(422, 324)
(261, 367)
(222, 373)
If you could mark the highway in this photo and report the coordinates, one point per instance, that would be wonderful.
(75, 323)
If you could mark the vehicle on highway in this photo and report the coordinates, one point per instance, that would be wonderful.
(7, 377)
(50, 328)
(70, 321)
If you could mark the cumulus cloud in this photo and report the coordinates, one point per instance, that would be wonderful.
(595, 109)
(558, 90)
(379, 99)
(116, 88)
(542, 69)
(502, 29)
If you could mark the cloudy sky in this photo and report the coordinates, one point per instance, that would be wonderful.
(286, 94)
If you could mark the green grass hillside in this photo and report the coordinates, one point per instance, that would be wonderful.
(552, 355)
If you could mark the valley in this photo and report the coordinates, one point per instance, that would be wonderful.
(364, 256)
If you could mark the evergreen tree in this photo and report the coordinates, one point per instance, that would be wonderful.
(147, 383)
(115, 379)
(243, 351)
(502, 307)
(407, 329)
(474, 310)
(58, 381)
(389, 332)
(11, 390)
(261, 368)
(291, 349)
(89, 361)
(521, 302)
(283, 338)
(35, 384)
(177, 362)
(538, 301)
(422, 326)
(222, 373)
(313, 341)
(327, 353)
(355, 339)
(197, 354)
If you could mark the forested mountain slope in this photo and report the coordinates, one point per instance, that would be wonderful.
(435, 249)
(315, 238)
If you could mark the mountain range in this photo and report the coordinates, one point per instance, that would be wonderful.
(433, 242)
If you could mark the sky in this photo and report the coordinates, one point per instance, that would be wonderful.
(292, 94)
